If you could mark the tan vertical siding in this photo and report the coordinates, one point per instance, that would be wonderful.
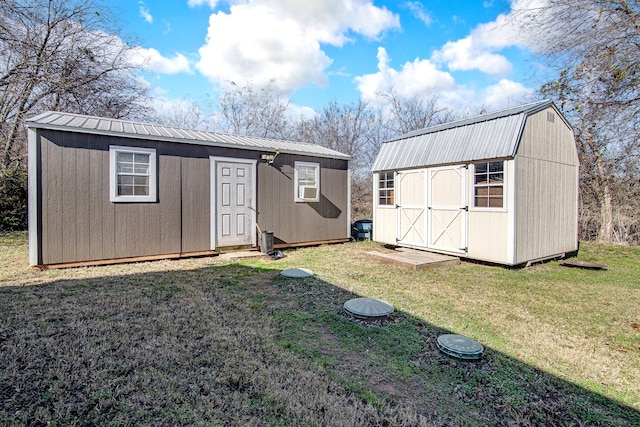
(546, 193)
(196, 215)
(169, 217)
(97, 212)
(293, 222)
(52, 213)
(80, 223)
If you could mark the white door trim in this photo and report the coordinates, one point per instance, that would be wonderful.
(214, 196)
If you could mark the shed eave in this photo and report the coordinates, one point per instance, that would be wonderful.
(34, 124)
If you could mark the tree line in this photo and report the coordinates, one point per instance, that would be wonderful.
(70, 56)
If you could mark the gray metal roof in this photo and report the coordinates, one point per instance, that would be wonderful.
(127, 129)
(487, 136)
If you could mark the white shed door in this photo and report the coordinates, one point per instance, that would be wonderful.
(447, 209)
(234, 203)
(410, 202)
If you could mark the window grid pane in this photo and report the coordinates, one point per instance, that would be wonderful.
(133, 174)
(488, 183)
(386, 189)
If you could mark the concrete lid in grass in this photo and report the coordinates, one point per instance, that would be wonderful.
(297, 273)
(368, 307)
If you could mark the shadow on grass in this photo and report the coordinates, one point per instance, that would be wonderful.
(236, 345)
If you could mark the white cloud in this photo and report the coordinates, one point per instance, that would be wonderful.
(263, 40)
(414, 78)
(144, 13)
(467, 54)
(211, 3)
(418, 10)
(152, 60)
(479, 50)
(504, 94)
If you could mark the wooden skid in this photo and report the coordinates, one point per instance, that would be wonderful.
(413, 259)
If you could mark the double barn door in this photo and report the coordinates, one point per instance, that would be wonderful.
(432, 208)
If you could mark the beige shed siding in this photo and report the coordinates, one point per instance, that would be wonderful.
(546, 189)
(384, 218)
(487, 236)
(544, 140)
(385, 225)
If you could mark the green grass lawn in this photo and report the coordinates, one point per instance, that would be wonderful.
(208, 341)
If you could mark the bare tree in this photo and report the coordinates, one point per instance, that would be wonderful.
(182, 113)
(406, 114)
(60, 55)
(254, 111)
(343, 128)
(595, 46)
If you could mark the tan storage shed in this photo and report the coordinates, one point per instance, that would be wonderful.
(104, 190)
(500, 187)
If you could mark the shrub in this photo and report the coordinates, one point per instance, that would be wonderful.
(13, 200)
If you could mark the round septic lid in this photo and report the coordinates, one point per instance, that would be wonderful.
(460, 347)
(296, 273)
(368, 307)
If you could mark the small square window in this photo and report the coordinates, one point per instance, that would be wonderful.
(488, 188)
(132, 174)
(306, 182)
(386, 189)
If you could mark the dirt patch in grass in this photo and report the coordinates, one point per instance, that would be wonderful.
(212, 342)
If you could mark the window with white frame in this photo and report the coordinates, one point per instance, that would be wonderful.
(488, 185)
(132, 174)
(386, 189)
(306, 182)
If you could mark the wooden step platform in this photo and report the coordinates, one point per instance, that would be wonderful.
(413, 259)
(242, 255)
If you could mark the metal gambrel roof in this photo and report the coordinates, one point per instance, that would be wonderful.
(127, 129)
(487, 136)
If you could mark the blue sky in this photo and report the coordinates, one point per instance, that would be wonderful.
(472, 54)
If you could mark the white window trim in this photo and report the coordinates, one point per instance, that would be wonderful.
(472, 189)
(377, 191)
(296, 196)
(113, 176)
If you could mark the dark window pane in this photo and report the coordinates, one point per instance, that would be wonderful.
(140, 190)
(482, 191)
(124, 157)
(125, 190)
(481, 202)
(495, 202)
(495, 191)
(481, 179)
(125, 180)
(495, 167)
(141, 180)
(141, 158)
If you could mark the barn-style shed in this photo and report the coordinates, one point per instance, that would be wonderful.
(500, 187)
(104, 190)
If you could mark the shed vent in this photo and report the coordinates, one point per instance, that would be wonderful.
(551, 118)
